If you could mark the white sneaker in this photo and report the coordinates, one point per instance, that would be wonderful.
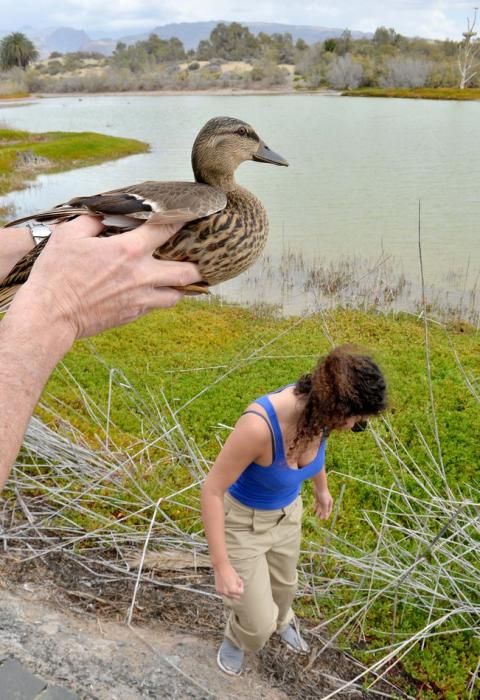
(294, 640)
(230, 658)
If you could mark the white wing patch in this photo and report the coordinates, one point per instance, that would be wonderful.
(119, 221)
(156, 206)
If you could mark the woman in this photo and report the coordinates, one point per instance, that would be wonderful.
(251, 506)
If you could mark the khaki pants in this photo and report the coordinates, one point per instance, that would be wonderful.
(263, 548)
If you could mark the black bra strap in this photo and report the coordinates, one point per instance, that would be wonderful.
(257, 413)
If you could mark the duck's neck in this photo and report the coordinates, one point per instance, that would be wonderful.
(216, 178)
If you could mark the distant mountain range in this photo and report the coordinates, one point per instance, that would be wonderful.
(66, 39)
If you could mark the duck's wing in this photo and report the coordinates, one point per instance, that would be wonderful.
(162, 202)
(121, 209)
(6, 297)
(21, 270)
(127, 207)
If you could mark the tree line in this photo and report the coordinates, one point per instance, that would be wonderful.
(388, 59)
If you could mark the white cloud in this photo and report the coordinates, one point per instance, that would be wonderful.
(429, 18)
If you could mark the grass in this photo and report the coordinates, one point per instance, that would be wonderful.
(55, 152)
(14, 95)
(424, 93)
(193, 369)
(189, 347)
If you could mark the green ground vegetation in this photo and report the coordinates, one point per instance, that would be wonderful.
(23, 154)
(212, 337)
(424, 93)
(239, 355)
(14, 95)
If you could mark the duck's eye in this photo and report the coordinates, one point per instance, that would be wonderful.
(241, 131)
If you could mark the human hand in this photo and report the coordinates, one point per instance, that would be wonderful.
(91, 284)
(323, 503)
(227, 582)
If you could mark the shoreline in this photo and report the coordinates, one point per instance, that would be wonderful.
(26, 154)
(442, 94)
(224, 92)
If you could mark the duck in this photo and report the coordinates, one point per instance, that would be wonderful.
(226, 225)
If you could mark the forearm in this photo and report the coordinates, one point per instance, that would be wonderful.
(31, 344)
(320, 481)
(214, 523)
(14, 244)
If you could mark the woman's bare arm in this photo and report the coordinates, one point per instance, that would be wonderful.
(243, 446)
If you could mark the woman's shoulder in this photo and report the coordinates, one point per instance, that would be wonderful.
(252, 433)
(255, 420)
(254, 414)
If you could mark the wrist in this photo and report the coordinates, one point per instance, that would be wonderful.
(35, 313)
(218, 564)
(14, 243)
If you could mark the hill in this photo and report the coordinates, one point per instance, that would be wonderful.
(67, 40)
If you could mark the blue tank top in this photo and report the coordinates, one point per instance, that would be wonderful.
(277, 485)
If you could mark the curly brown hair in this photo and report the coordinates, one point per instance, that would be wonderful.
(345, 383)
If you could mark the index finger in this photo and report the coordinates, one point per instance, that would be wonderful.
(151, 236)
(83, 226)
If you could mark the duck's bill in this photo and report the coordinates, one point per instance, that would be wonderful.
(265, 154)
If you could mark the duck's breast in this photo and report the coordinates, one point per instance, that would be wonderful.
(223, 244)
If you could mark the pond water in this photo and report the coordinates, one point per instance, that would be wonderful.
(348, 203)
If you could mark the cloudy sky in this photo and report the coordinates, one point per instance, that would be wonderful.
(428, 18)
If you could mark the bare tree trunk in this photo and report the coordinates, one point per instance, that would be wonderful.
(468, 53)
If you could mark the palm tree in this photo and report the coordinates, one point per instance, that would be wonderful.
(16, 50)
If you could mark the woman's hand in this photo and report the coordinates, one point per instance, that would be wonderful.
(227, 582)
(323, 503)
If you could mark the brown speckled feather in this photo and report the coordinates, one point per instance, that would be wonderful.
(20, 272)
(233, 239)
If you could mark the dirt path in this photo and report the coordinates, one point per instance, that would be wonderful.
(109, 661)
(65, 622)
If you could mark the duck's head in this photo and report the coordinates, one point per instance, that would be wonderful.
(220, 147)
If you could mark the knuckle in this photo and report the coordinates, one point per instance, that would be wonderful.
(171, 297)
(130, 248)
(139, 307)
(187, 274)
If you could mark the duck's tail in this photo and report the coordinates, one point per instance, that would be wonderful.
(55, 215)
